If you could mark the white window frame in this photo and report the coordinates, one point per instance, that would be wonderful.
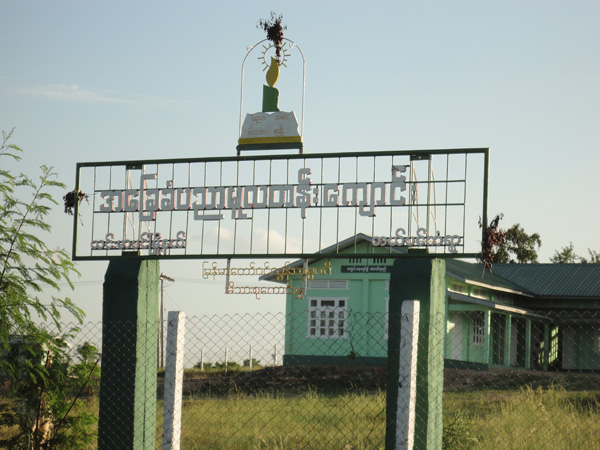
(340, 285)
(478, 333)
(325, 321)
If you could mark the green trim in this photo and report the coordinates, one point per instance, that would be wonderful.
(272, 146)
(281, 256)
(274, 157)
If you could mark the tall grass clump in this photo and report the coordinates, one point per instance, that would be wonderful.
(355, 421)
(527, 418)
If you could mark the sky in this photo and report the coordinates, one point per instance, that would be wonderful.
(85, 81)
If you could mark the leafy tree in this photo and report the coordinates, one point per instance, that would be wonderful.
(594, 257)
(34, 363)
(518, 247)
(567, 255)
(47, 409)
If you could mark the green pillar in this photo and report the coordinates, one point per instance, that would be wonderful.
(127, 418)
(528, 343)
(507, 340)
(423, 280)
(488, 341)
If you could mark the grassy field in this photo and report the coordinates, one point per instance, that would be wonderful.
(543, 417)
(310, 421)
(523, 419)
(526, 418)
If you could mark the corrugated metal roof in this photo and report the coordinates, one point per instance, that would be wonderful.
(475, 273)
(553, 280)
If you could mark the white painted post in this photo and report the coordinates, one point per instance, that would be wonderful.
(173, 381)
(226, 355)
(407, 379)
(275, 355)
(250, 360)
(201, 360)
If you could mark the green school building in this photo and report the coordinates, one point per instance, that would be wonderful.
(532, 316)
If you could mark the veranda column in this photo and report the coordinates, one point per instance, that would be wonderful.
(127, 418)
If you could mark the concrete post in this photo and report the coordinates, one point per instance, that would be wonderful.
(173, 381)
(407, 381)
(127, 417)
(423, 280)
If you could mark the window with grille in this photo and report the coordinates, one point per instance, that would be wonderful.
(478, 337)
(327, 317)
(479, 293)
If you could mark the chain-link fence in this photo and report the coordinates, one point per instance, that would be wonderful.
(317, 380)
(522, 381)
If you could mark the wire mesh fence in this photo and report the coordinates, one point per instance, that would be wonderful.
(516, 381)
(317, 380)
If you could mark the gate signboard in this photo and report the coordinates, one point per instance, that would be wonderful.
(283, 206)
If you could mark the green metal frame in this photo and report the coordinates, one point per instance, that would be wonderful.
(414, 154)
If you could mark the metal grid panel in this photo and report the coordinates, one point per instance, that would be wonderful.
(284, 206)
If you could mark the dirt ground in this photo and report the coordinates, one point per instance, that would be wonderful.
(331, 379)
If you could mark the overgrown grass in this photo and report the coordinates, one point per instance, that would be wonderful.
(525, 418)
(312, 421)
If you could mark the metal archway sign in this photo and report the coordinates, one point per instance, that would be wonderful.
(284, 206)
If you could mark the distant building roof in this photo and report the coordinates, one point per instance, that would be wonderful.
(474, 274)
(553, 280)
(530, 280)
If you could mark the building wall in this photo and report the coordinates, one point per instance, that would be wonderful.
(361, 335)
(580, 347)
(363, 316)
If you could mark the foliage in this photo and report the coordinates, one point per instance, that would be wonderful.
(27, 265)
(567, 255)
(493, 239)
(255, 363)
(274, 30)
(48, 409)
(456, 432)
(518, 247)
(231, 365)
(594, 257)
(40, 371)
